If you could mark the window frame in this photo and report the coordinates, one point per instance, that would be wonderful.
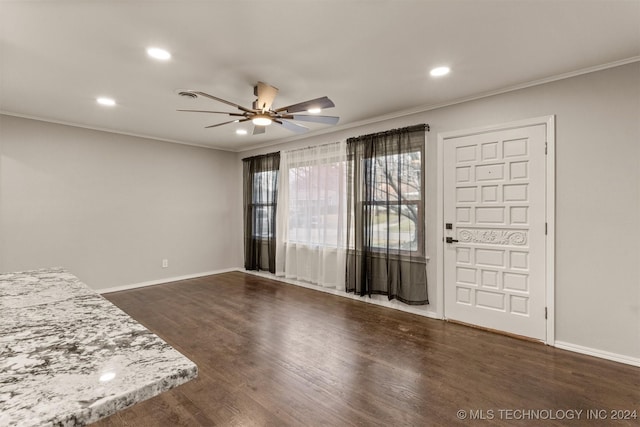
(369, 206)
(268, 206)
(327, 160)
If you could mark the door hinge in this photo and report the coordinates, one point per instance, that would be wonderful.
(545, 312)
(545, 148)
(545, 228)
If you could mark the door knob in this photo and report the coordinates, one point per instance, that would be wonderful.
(451, 240)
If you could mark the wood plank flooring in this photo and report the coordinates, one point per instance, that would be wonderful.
(272, 354)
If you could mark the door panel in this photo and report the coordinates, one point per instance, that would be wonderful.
(494, 196)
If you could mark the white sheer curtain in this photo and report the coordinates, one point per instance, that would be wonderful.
(311, 217)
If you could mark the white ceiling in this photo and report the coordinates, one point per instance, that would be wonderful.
(371, 57)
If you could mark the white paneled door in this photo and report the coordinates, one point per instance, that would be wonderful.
(494, 214)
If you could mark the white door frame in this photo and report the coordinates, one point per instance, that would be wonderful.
(549, 122)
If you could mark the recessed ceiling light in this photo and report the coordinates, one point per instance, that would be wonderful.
(440, 71)
(106, 101)
(241, 131)
(314, 110)
(157, 53)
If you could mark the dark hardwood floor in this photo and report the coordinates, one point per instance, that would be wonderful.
(272, 354)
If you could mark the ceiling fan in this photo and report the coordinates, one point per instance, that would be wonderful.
(262, 114)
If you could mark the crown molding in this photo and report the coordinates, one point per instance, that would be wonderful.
(430, 107)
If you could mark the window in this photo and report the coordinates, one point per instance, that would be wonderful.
(311, 215)
(396, 205)
(316, 202)
(386, 221)
(260, 194)
(263, 203)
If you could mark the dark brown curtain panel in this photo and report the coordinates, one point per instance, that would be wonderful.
(260, 182)
(386, 219)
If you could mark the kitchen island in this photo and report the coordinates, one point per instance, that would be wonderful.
(69, 357)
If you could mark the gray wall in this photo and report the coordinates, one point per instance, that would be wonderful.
(110, 207)
(597, 195)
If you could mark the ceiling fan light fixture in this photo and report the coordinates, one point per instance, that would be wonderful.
(314, 110)
(261, 120)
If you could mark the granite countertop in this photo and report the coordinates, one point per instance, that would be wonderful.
(69, 357)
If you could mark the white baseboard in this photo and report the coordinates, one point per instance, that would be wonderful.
(380, 300)
(163, 281)
(634, 361)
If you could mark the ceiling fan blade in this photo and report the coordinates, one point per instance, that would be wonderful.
(214, 112)
(322, 103)
(225, 123)
(215, 98)
(266, 94)
(258, 130)
(330, 120)
(293, 127)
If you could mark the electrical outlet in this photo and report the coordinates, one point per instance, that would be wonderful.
(165, 263)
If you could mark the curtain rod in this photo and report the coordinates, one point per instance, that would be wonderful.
(414, 128)
(311, 146)
(261, 155)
